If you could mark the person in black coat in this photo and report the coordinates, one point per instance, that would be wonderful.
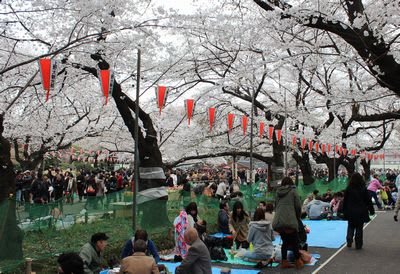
(356, 206)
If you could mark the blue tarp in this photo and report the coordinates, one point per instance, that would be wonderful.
(172, 266)
(328, 234)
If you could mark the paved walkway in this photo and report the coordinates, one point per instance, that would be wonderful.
(380, 253)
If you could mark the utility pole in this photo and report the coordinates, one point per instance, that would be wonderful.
(251, 136)
(136, 168)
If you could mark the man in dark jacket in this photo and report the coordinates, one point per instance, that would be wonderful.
(140, 235)
(198, 260)
(39, 190)
(223, 218)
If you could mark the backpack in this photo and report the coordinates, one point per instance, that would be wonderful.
(217, 253)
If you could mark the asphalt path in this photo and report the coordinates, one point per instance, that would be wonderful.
(380, 253)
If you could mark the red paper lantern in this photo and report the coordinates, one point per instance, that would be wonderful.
(345, 152)
(271, 133)
(48, 72)
(329, 148)
(244, 124)
(231, 119)
(106, 78)
(262, 125)
(161, 95)
(316, 147)
(337, 149)
(211, 117)
(341, 150)
(303, 143)
(310, 145)
(294, 141)
(323, 146)
(353, 152)
(279, 136)
(189, 109)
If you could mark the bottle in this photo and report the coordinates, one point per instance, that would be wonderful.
(251, 247)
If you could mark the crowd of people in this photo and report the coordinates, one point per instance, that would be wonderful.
(253, 230)
(55, 185)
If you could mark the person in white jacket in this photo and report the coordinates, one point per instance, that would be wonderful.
(316, 209)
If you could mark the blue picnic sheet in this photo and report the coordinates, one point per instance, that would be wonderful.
(215, 270)
(328, 234)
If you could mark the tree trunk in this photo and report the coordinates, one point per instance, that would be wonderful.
(154, 212)
(350, 165)
(332, 164)
(30, 161)
(366, 164)
(10, 234)
(305, 167)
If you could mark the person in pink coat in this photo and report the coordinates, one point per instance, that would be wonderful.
(373, 187)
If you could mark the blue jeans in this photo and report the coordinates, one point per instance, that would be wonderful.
(256, 256)
(18, 195)
(373, 195)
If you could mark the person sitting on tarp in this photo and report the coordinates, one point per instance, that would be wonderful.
(197, 259)
(92, 253)
(261, 236)
(138, 262)
(130, 244)
(337, 206)
(194, 220)
(317, 210)
(328, 196)
(223, 217)
(305, 204)
(239, 225)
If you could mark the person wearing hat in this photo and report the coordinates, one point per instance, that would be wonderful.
(92, 253)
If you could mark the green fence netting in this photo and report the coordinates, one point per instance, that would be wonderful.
(58, 227)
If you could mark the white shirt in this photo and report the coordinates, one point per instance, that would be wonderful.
(221, 189)
(174, 179)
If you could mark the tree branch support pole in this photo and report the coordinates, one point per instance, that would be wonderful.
(136, 167)
(334, 150)
(251, 136)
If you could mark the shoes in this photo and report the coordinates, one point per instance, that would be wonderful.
(395, 218)
(358, 246)
(299, 263)
(349, 244)
(286, 264)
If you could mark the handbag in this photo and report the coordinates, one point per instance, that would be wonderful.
(90, 189)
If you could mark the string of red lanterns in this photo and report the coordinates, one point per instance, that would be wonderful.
(48, 72)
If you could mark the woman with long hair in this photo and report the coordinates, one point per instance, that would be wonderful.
(286, 221)
(356, 206)
(261, 235)
(239, 225)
